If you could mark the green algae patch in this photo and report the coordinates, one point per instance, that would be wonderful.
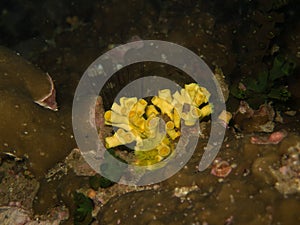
(84, 208)
(28, 130)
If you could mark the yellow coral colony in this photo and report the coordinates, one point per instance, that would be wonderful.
(164, 106)
(142, 123)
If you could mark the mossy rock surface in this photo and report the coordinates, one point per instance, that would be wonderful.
(27, 129)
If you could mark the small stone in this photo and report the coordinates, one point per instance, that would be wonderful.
(290, 113)
(278, 117)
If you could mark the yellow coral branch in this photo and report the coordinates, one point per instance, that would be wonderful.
(139, 107)
(165, 94)
(151, 111)
(206, 110)
(164, 106)
(120, 137)
(170, 128)
(113, 117)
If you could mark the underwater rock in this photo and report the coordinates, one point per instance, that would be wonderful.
(147, 206)
(15, 188)
(54, 216)
(261, 168)
(97, 118)
(17, 73)
(76, 161)
(250, 120)
(44, 137)
(14, 215)
(288, 174)
(182, 192)
(19, 216)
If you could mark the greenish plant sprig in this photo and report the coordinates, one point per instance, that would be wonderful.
(267, 85)
(83, 211)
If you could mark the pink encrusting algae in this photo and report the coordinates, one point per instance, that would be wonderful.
(273, 138)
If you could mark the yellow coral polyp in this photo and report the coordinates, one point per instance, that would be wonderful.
(152, 122)
(177, 99)
(118, 108)
(225, 116)
(206, 110)
(126, 137)
(139, 107)
(125, 105)
(113, 117)
(128, 102)
(165, 94)
(169, 125)
(112, 141)
(149, 142)
(199, 95)
(166, 141)
(185, 94)
(164, 106)
(147, 158)
(163, 150)
(195, 112)
(151, 111)
(120, 137)
(173, 134)
(176, 118)
(151, 126)
(107, 116)
(192, 89)
(192, 117)
(199, 99)
(137, 121)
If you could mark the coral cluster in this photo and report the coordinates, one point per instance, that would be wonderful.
(154, 127)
